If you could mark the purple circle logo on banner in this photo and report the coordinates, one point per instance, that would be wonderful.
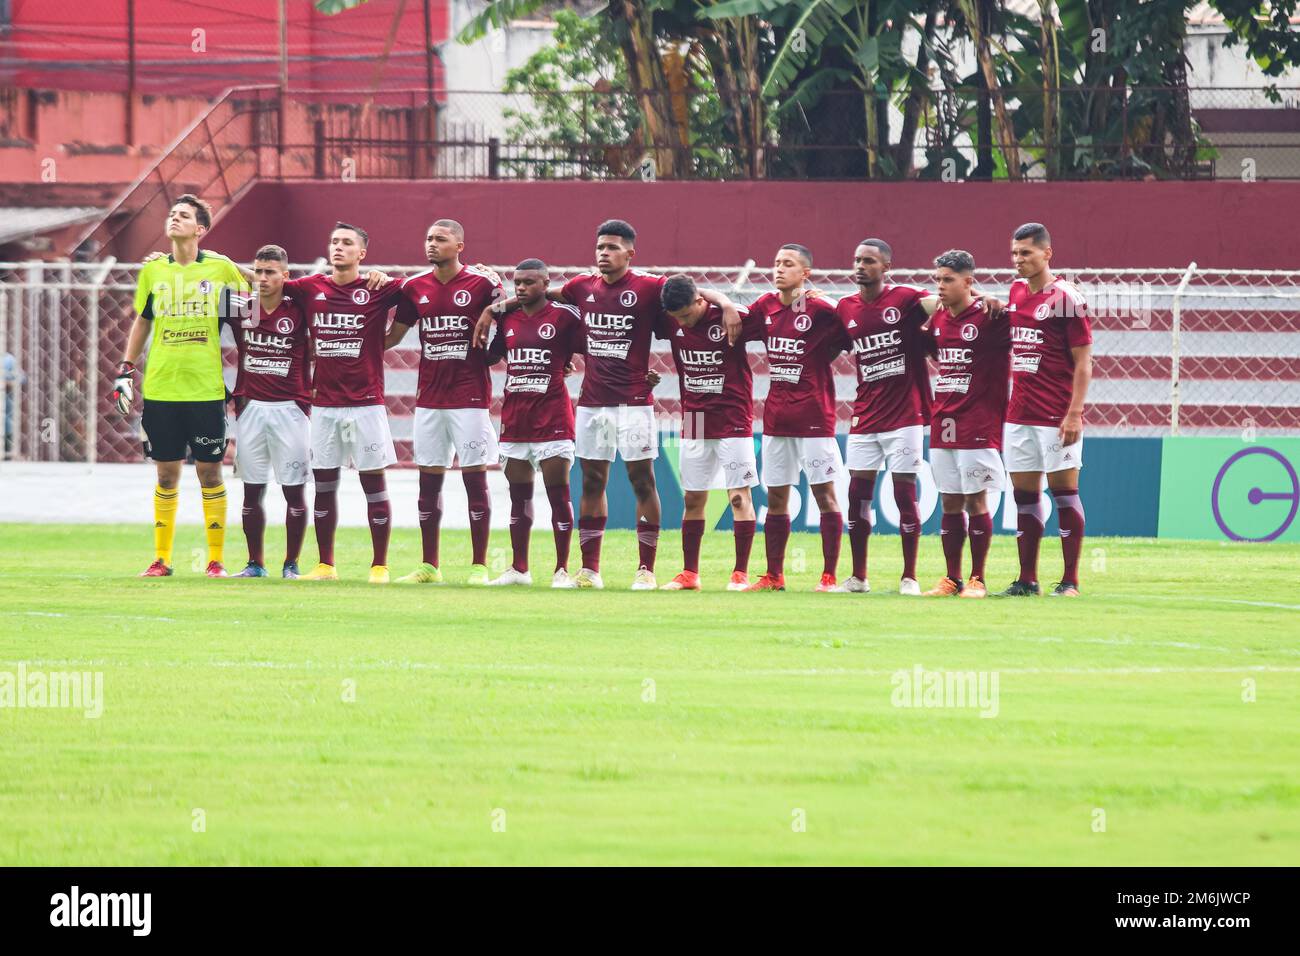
(1257, 495)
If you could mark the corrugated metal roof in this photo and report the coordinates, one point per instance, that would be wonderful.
(19, 222)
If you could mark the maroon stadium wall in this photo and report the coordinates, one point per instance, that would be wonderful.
(1094, 225)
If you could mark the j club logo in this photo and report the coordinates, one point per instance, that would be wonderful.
(547, 331)
(970, 332)
(360, 296)
(891, 315)
(461, 298)
(715, 333)
(205, 287)
(1246, 471)
(1042, 312)
(284, 325)
(802, 323)
(628, 298)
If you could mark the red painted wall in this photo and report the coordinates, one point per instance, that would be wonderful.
(1094, 225)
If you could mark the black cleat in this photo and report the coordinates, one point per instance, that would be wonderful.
(1064, 590)
(1022, 589)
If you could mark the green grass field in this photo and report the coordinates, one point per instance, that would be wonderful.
(541, 727)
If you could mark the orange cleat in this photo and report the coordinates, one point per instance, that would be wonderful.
(739, 581)
(827, 583)
(768, 582)
(156, 570)
(946, 587)
(974, 588)
(685, 581)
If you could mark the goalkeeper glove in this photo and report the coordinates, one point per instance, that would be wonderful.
(123, 394)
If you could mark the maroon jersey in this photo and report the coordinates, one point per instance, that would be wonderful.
(272, 346)
(716, 382)
(348, 323)
(970, 395)
(620, 318)
(536, 406)
(453, 374)
(1045, 325)
(889, 347)
(801, 344)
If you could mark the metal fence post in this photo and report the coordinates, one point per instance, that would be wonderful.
(92, 378)
(1174, 346)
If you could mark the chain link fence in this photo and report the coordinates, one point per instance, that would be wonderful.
(1193, 352)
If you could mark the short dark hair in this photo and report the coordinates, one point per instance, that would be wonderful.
(678, 292)
(530, 265)
(880, 244)
(1034, 231)
(365, 236)
(202, 211)
(272, 253)
(804, 252)
(958, 260)
(456, 228)
(617, 227)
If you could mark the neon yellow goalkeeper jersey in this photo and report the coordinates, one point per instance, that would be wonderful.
(184, 303)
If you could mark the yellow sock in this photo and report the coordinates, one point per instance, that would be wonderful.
(214, 520)
(164, 521)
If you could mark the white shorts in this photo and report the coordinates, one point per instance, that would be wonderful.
(708, 463)
(444, 434)
(273, 436)
(783, 459)
(536, 452)
(1039, 448)
(902, 451)
(965, 471)
(627, 430)
(356, 436)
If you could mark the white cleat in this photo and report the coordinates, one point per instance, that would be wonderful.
(909, 587)
(562, 580)
(588, 578)
(644, 580)
(511, 577)
(852, 586)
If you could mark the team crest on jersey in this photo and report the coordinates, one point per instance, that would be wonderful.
(891, 315)
(284, 325)
(205, 286)
(802, 323)
(1043, 311)
(627, 298)
(715, 333)
(360, 296)
(461, 297)
(547, 331)
(970, 332)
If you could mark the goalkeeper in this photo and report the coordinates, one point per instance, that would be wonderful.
(178, 305)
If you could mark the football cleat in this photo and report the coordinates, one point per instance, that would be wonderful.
(1021, 589)
(827, 583)
(156, 570)
(424, 574)
(1064, 590)
(945, 588)
(290, 571)
(644, 580)
(511, 577)
(768, 582)
(216, 570)
(739, 581)
(322, 572)
(685, 581)
(909, 587)
(974, 588)
(378, 574)
(588, 578)
(478, 575)
(561, 579)
(853, 586)
(251, 570)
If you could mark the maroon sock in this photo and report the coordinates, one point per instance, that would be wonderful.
(254, 521)
(561, 522)
(981, 536)
(832, 526)
(590, 533)
(909, 524)
(1069, 515)
(744, 533)
(952, 531)
(326, 511)
(1029, 532)
(692, 535)
(295, 521)
(480, 512)
(776, 532)
(647, 540)
(521, 522)
(430, 509)
(858, 519)
(379, 514)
